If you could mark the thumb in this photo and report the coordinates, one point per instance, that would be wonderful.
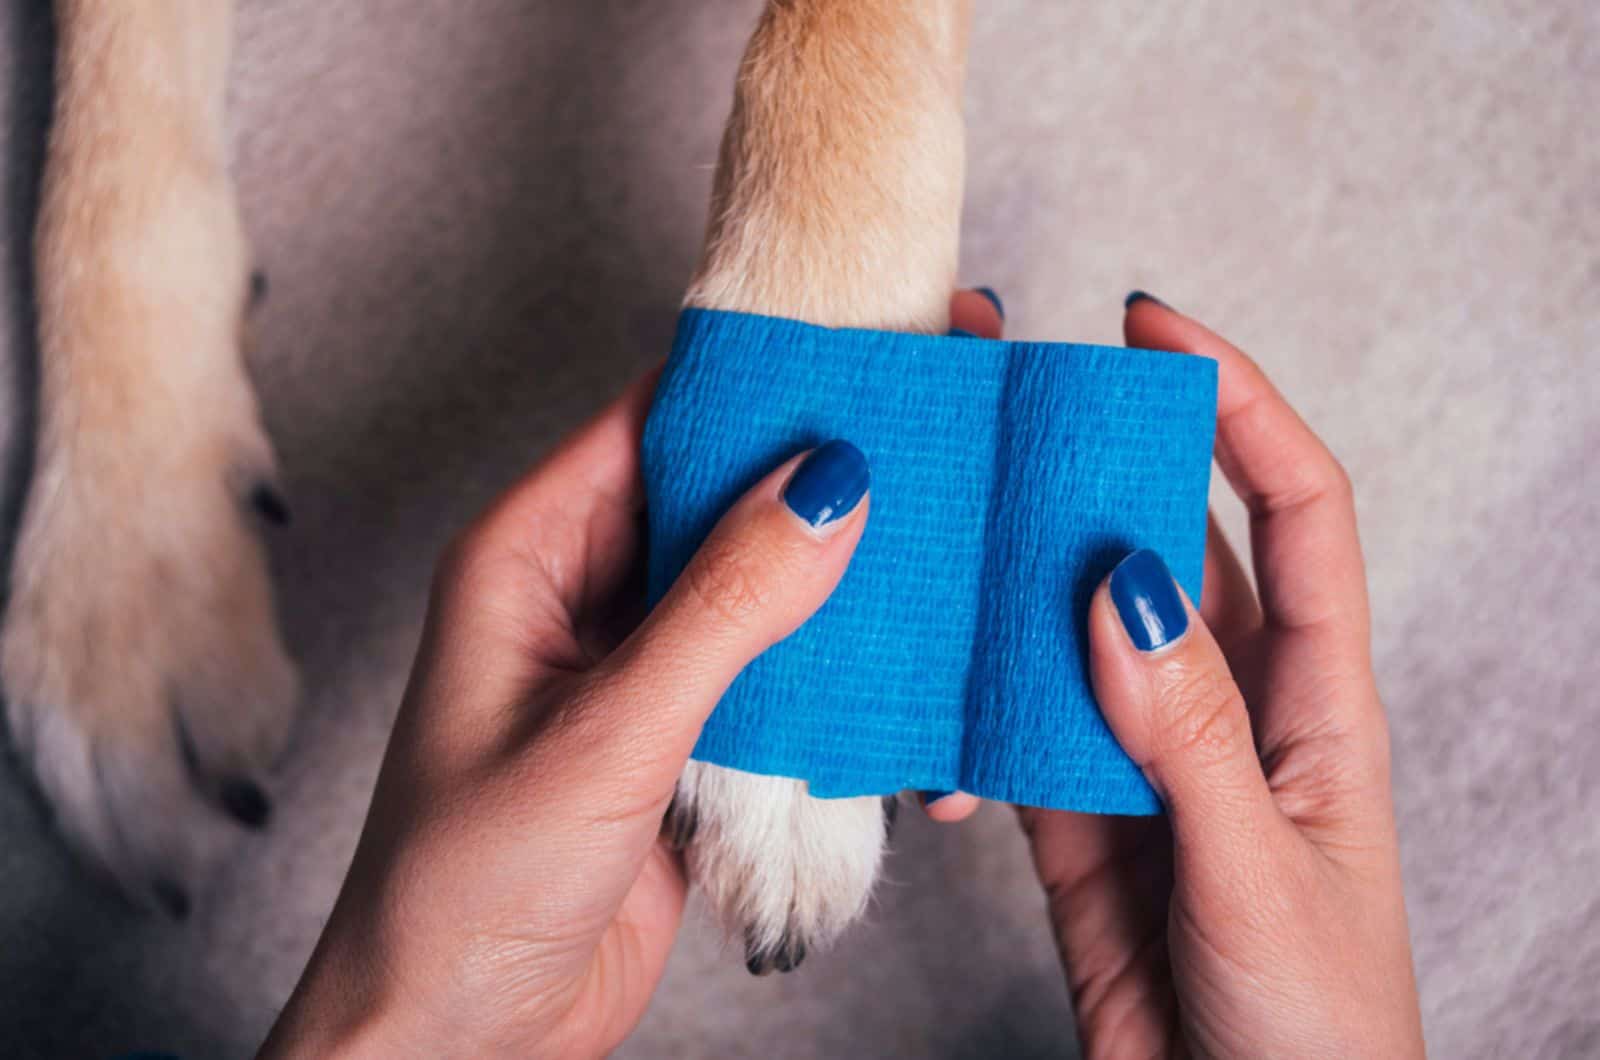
(1170, 700)
(771, 561)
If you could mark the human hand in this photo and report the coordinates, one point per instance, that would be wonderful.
(511, 892)
(1263, 916)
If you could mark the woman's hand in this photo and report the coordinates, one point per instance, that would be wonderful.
(1263, 916)
(510, 892)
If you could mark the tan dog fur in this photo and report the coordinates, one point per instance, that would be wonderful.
(140, 659)
(141, 613)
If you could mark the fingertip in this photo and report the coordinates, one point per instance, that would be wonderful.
(828, 486)
(948, 807)
(1154, 613)
(1137, 297)
(770, 562)
(994, 299)
(1119, 670)
(1148, 322)
(1109, 647)
(977, 310)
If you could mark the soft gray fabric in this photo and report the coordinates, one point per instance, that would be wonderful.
(478, 218)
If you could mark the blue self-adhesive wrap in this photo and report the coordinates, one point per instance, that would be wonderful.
(1007, 479)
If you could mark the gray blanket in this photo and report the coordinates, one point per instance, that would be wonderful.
(477, 219)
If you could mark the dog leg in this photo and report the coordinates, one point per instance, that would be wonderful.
(837, 201)
(144, 679)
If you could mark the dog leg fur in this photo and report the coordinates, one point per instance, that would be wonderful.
(837, 200)
(145, 683)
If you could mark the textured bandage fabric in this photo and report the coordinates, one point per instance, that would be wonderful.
(1007, 479)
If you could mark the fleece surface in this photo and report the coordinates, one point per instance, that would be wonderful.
(478, 219)
(1008, 478)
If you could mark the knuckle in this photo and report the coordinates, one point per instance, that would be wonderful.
(1205, 719)
(728, 579)
(1336, 483)
(459, 556)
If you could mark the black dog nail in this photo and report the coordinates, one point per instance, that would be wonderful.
(784, 957)
(270, 505)
(789, 956)
(245, 800)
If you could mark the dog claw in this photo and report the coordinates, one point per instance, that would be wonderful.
(784, 957)
(246, 802)
(270, 505)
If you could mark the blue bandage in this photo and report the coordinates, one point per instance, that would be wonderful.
(1007, 479)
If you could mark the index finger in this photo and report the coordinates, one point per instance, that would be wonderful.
(1303, 539)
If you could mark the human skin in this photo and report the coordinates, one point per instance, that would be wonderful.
(511, 892)
(1263, 914)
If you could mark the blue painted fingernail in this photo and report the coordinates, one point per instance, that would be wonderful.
(930, 797)
(1137, 296)
(961, 333)
(828, 484)
(1148, 601)
(999, 306)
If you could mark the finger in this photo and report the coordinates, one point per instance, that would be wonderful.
(1108, 887)
(1227, 599)
(947, 807)
(978, 310)
(1302, 515)
(766, 567)
(1070, 847)
(1167, 694)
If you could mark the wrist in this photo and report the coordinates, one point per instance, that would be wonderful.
(342, 1009)
(303, 1032)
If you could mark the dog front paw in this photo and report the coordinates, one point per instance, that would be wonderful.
(146, 686)
(786, 872)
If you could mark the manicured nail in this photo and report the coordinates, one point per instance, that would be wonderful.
(1148, 601)
(828, 484)
(245, 800)
(961, 333)
(930, 797)
(999, 306)
(1136, 296)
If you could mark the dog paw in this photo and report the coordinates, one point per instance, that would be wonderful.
(786, 872)
(145, 684)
